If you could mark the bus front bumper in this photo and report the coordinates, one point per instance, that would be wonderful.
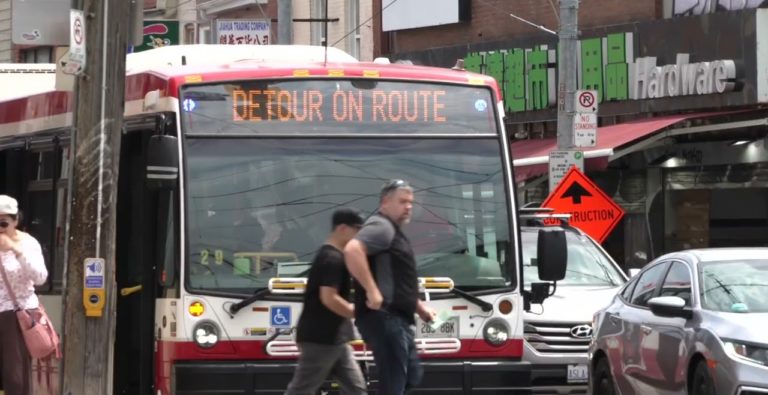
(446, 377)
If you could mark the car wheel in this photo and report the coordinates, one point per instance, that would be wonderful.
(702, 381)
(603, 380)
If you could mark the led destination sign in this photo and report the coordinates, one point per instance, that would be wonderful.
(338, 106)
(342, 106)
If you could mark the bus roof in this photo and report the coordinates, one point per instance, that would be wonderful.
(26, 79)
(215, 54)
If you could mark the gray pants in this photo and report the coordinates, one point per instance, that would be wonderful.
(318, 361)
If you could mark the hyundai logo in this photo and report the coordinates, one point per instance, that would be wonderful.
(581, 331)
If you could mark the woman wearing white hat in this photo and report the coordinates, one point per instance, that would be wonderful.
(22, 261)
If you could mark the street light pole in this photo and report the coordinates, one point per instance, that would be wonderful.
(566, 72)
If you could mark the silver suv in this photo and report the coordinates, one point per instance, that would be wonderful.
(558, 330)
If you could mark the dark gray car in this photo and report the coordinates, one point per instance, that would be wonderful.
(692, 322)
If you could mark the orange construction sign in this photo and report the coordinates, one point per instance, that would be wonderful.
(591, 209)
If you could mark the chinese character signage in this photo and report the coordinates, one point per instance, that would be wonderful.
(242, 31)
(159, 34)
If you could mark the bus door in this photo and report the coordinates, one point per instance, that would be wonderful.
(141, 237)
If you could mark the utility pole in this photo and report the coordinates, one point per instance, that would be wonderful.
(98, 117)
(285, 22)
(566, 72)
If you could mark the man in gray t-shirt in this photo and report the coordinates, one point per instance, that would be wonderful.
(381, 259)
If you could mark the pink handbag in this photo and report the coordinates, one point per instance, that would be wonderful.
(39, 335)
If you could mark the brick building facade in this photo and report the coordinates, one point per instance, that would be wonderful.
(490, 21)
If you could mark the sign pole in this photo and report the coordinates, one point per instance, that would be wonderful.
(565, 157)
(89, 295)
(566, 72)
(285, 22)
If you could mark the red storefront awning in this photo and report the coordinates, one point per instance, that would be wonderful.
(531, 157)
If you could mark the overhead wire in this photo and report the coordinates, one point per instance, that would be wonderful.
(557, 16)
(374, 15)
(554, 10)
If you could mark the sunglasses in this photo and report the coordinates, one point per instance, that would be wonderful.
(4, 224)
(391, 185)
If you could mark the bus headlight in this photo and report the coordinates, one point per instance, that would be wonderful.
(206, 334)
(496, 332)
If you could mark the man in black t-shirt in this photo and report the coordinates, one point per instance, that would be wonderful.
(382, 261)
(325, 326)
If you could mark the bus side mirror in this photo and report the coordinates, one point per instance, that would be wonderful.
(162, 162)
(539, 292)
(552, 254)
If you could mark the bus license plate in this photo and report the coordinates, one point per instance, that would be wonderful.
(578, 373)
(449, 328)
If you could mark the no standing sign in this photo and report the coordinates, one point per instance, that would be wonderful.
(76, 62)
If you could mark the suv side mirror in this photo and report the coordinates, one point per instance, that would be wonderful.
(552, 254)
(162, 162)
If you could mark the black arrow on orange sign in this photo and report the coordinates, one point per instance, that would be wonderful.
(575, 192)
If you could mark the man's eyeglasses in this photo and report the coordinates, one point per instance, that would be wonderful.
(4, 224)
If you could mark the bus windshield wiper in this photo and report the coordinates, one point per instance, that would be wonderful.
(234, 308)
(485, 306)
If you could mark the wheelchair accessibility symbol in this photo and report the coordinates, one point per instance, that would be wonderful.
(280, 316)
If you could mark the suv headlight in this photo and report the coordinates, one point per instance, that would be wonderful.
(496, 332)
(746, 351)
(206, 334)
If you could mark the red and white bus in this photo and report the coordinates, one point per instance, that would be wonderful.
(232, 160)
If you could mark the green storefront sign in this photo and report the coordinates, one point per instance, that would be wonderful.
(533, 71)
(159, 33)
(607, 65)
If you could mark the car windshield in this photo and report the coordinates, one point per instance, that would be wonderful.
(260, 208)
(738, 286)
(587, 264)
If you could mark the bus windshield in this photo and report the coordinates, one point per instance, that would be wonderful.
(259, 208)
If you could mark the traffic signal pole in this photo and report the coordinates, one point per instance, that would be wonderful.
(88, 341)
(568, 34)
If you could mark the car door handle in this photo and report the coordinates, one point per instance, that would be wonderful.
(646, 329)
